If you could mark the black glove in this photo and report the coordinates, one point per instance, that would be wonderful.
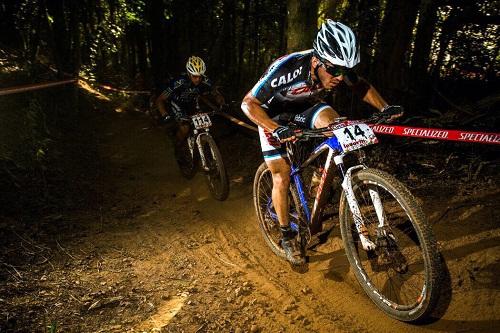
(385, 115)
(392, 110)
(283, 132)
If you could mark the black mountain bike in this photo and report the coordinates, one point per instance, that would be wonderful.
(201, 151)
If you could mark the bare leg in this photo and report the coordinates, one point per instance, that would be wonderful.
(182, 133)
(325, 117)
(280, 170)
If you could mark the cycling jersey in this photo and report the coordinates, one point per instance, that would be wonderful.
(288, 82)
(286, 88)
(182, 91)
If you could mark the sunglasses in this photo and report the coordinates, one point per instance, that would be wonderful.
(335, 70)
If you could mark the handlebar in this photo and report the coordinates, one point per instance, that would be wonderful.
(305, 134)
(189, 117)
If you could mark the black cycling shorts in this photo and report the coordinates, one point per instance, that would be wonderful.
(271, 148)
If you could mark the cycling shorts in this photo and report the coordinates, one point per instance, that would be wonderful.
(271, 148)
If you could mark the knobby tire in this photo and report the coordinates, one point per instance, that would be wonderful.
(402, 280)
(217, 179)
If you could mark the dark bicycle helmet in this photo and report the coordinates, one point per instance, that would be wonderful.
(336, 43)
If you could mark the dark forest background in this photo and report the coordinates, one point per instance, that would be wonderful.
(411, 50)
(434, 57)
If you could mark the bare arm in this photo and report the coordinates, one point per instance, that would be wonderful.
(160, 102)
(252, 109)
(373, 98)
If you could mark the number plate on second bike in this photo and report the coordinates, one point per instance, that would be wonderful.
(201, 120)
(354, 136)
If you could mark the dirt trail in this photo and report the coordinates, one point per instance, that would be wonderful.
(161, 255)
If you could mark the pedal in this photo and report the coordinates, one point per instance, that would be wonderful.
(321, 237)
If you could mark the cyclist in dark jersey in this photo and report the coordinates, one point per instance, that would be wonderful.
(297, 84)
(181, 96)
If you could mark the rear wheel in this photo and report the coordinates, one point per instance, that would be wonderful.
(217, 179)
(402, 274)
(186, 158)
(266, 214)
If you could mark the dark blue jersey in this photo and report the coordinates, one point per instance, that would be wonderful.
(288, 81)
(183, 91)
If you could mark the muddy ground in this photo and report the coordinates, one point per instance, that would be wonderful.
(155, 253)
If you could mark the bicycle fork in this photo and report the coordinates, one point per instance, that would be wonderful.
(203, 159)
(367, 244)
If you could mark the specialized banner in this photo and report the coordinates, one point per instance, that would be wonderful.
(438, 134)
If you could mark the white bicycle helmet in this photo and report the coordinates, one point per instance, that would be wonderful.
(195, 66)
(336, 43)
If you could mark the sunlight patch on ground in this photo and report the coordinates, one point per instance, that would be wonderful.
(85, 86)
(185, 193)
(467, 240)
(202, 198)
(164, 314)
(147, 214)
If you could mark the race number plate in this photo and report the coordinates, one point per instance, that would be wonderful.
(201, 120)
(355, 136)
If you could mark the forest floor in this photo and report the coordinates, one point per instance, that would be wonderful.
(156, 253)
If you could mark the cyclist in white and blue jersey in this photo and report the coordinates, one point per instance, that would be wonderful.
(296, 85)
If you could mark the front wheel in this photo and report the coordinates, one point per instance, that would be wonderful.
(402, 274)
(217, 179)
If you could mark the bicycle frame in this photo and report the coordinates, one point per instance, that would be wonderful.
(335, 155)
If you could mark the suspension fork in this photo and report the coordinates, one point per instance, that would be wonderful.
(353, 203)
(203, 159)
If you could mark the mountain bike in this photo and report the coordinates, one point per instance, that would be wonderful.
(200, 150)
(387, 238)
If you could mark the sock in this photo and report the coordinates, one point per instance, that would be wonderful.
(287, 232)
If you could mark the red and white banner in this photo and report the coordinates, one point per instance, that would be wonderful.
(438, 134)
(35, 86)
(414, 132)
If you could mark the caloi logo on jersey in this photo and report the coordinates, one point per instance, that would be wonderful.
(284, 79)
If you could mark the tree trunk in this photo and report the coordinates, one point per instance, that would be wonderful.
(283, 27)
(420, 80)
(242, 40)
(61, 41)
(394, 46)
(302, 25)
(256, 38)
(157, 48)
(369, 17)
(423, 40)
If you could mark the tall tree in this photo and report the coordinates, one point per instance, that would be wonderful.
(156, 19)
(302, 24)
(394, 45)
(427, 20)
